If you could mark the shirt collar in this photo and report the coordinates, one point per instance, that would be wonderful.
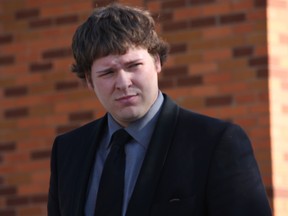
(141, 130)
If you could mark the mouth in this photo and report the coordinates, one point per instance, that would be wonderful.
(126, 98)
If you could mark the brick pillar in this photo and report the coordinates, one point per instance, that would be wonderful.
(277, 17)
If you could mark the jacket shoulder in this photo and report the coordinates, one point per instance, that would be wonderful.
(83, 130)
(200, 120)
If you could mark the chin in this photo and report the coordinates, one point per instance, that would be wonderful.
(131, 118)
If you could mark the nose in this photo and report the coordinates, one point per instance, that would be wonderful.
(123, 80)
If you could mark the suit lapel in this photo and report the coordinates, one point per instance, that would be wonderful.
(87, 159)
(142, 197)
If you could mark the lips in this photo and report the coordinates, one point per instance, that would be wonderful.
(126, 98)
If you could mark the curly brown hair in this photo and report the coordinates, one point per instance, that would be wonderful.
(114, 29)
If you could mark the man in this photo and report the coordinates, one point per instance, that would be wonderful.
(176, 162)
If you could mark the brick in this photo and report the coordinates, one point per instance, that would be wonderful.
(41, 88)
(167, 83)
(263, 96)
(66, 85)
(31, 166)
(219, 100)
(7, 212)
(57, 53)
(203, 22)
(16, 91)
(256, 16)
(101, 3)
(172, 4)
(198, 2)
(262, 73)
(187, 13)
(217, 32)
(175, 71)
(41, 176)
(283, 38)
(246, 6)
(261, 132)
(16, 112)
(234, 65)
(7, 60)
(7, 146)
(260, 109)
(80, 116)
(246, 122)
(219, 54)
(27, 13)
(257, 39)
(40, 155)
(163, 17)
(17, 178)
(245, 98)
(190, 81)
(31, 210)
(278, 4)
(175, 26)
(8, 190)
(6, 39)
(281, 192)
(232, 18)
(65, 128)
(284, 85)
(242, 51)
(182, 36)
(39, 198)
(231, 87)
(258, 61)
(260, 3)
(64, 20)
(41, 67)
(188, 58)
(90, 103)
(17, 201)
(217, 9)
(244, 28)
(41, 23)
(178, 48)
(153, 7)
(203, 68)
(1, 181)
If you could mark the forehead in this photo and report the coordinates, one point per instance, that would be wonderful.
(132, 54)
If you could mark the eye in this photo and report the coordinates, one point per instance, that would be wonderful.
(105, 73)
(134, 65)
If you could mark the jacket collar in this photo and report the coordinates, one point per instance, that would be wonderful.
(147, 182)
(87, 161)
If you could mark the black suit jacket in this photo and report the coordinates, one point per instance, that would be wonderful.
(195, 165)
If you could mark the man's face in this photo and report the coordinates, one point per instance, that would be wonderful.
(126, 85)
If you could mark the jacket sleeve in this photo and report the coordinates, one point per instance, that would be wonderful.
(235, 186)
(53, 201)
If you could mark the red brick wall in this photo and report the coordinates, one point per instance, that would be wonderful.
(219, 65)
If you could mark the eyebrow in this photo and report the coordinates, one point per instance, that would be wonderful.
(104, 70)
(125, 64)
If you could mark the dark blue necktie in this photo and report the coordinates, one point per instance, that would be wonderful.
(111, 188)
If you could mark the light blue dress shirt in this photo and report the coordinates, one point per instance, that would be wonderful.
(141, 131)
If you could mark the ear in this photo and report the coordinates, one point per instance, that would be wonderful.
(158, 64)
(89, 82)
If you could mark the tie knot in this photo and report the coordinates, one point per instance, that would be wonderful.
(120, 138)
